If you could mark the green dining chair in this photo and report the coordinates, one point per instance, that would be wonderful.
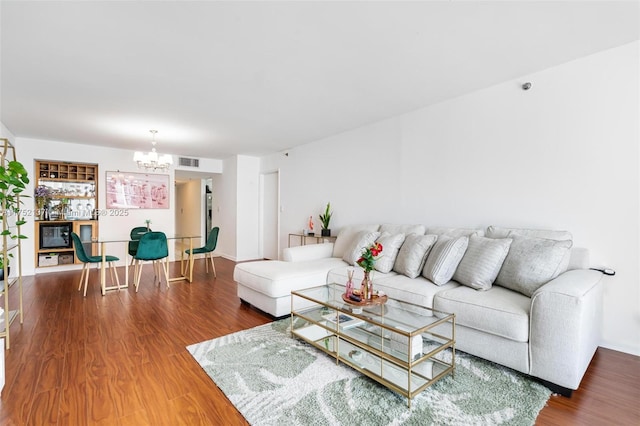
(152, 247)
(88, 260)
(208, 249)
(135, 235)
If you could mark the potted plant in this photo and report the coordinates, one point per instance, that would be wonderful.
(325, 219)
(2, 261)
(13, 180)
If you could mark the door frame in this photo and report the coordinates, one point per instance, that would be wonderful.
(261, 214)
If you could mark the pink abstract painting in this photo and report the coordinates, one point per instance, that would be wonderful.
(127, 190)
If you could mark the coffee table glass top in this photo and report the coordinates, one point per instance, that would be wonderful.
(394, 314)
(398, 344)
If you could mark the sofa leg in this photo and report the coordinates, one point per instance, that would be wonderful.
(560, 390)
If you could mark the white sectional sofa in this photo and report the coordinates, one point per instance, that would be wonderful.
(522, 298)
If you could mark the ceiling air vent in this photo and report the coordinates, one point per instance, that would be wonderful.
(189, 162)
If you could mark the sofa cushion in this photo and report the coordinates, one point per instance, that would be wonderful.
(275, 278)
(498, 232)
(360, 241)
(307, 252)
(412, 254)
(402, 229)
(339, 275)
(481, 262)
(444, 258)
(390, 247)
(346, 235)
(454, 232)
(497, 311)
(532, 262)
(418, 291)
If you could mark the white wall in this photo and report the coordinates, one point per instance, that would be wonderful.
(5, 133)
(563, 155)
(108, 159)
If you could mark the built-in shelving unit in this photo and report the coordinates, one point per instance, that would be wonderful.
(73, 208)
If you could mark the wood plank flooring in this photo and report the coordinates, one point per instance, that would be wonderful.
(120, 359)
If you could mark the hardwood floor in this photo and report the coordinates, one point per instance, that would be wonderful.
(120, 359)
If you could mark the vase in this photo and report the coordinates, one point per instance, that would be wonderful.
(2, 272)
(349, 285)
(366, 288)
(40, 210)
(325, 232)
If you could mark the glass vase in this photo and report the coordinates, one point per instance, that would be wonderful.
(365, 287)
(349, 284)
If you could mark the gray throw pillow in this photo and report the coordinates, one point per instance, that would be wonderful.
(390, 247)
(444, 258)
(413, 253)
(481, 262)
(531, 263)
(497, 232)
(354, 250)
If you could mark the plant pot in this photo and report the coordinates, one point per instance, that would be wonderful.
(2, 273)
(326, 232)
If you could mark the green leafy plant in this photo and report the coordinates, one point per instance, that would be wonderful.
(2, 261)
(13, 181)
(326, 217)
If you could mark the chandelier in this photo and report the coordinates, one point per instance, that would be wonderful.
(152, 160)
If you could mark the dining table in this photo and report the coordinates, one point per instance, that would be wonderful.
(185, 273)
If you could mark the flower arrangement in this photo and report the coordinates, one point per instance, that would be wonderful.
(42, 195)
(367, 260)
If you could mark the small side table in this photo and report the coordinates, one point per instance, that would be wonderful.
(303, 238)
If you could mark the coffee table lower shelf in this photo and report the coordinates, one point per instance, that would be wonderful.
(405, 380)
(397, 344)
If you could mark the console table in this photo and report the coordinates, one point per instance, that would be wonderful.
(303, 238)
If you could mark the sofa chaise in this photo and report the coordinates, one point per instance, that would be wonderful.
(525, 299)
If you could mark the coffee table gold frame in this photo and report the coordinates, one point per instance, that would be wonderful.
(382, 341)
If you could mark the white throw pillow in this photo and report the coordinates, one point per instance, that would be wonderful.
(390, 246)
(531, 263)
(347, 235)
(413, 253)
(444, 258)
(481, 262)
(354, 250)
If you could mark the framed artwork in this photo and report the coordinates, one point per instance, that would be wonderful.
(129, 190)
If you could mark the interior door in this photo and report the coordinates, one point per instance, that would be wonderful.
(270, 223)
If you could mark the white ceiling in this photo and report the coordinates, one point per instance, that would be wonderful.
(223, 78)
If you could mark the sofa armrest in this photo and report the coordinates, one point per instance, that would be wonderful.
(310, 252)
(565, 327)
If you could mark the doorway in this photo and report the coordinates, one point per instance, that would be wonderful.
(270, 215)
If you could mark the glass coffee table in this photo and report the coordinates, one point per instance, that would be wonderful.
(394, 343)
